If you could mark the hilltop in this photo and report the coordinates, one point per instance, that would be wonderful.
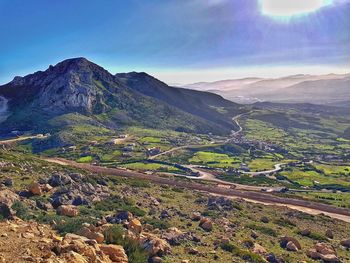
(94, 96)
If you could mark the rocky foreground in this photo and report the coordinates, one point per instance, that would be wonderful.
(61, 215)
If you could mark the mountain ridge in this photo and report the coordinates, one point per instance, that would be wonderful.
(80, 86)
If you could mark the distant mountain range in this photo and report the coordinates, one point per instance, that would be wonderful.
(324, 89)
(77, 91)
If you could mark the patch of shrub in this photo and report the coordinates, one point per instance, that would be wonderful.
(284, 222)
(22, 211)
(177, 190)
(118, 203)
(246, 255)
(229, 247)
(157, 223)
(210, 213)
(65, 224)
(140, 184)
(263, 229)
(115, 235)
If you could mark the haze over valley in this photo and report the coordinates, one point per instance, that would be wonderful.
(322, 89)
(102, 160)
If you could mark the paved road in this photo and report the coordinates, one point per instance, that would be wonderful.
(259, 197)
(208, 176)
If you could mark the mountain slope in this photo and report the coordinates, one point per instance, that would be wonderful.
(298, 88)
(88, 94)
(206, 105)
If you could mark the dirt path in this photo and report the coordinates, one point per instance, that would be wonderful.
(23, 138)
(264, 198)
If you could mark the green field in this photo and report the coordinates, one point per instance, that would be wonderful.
(215, 160)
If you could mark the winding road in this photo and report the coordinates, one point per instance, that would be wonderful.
(213, 186)
(252, 196)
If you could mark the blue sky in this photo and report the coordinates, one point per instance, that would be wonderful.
(178, 41)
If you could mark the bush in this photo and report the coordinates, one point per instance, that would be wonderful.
(115, 235)
(229, 247)
(157, 223)
(65, 224)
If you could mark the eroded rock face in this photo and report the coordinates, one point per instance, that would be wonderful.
(76, 192)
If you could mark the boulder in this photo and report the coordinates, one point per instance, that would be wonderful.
(191, 251)
(285, 239)
(7, 199)
(323, 251)
(46, 187)
(220, 203)
(258, 249)
(43, 206)
(176, 237)
(254, 235)
(324, 248)
(271, 258)
(67, 210)
(330, 258)
(164, 214)
(291, 246)
(206, 224)
(35, 189)
(115, 252)
(196, 216)
(91, 234)
(59, 179)
(8, 182)
(153, 245)
(345, 243)
(305, 232)
(312, 253)
(124, 215)
(135, 226)
(264, 219)
(329, 234)
(79, 194)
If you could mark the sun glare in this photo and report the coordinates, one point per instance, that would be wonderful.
(289, 8)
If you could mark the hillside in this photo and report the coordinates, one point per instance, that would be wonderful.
(88, 94)
(206, 105)
(323, 89)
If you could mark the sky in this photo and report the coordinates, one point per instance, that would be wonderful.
(178, 41)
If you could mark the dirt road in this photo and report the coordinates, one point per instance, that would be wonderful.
(23, 138)
(264, 198)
